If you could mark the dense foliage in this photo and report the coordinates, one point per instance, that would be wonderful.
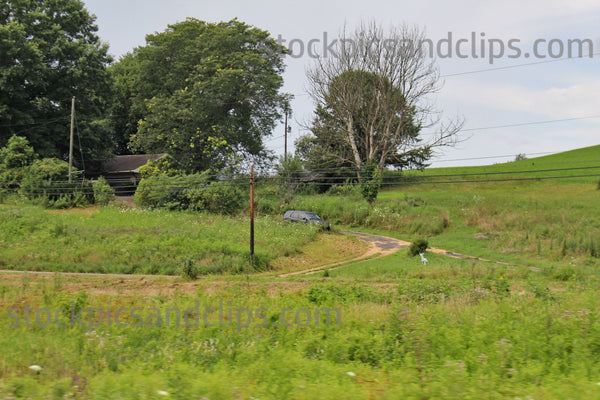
(42, 181)
(49, 53)
(205, 93)
(190, 192)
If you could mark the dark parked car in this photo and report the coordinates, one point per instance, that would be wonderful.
(306, 217)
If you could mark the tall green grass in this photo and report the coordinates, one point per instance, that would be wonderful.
(140, 241)
(460, 332)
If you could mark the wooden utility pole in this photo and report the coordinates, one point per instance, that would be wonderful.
(285, 135)
(71, 138)
(252, 215)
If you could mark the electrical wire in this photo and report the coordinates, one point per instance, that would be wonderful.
(242, 180)
(514, 66)
(395, 181)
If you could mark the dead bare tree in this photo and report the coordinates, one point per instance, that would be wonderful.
(378, 86)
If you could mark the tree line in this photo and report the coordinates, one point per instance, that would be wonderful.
(208, 94)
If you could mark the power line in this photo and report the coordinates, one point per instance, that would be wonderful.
(530, 123)
(477, 71)
(510, 172)
(550, 121)
(243, 181)
(162, 188)
(488, 157)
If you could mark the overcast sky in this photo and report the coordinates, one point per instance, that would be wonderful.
(548, 89)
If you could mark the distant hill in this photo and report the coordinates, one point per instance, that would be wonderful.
(573, 163)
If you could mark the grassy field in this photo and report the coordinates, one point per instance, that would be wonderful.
(126, 240)
(384, 328)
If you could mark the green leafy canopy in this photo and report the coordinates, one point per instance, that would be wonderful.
(49, 52)
(205, 93)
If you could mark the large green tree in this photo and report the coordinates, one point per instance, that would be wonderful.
(49, 52)
(205, 93)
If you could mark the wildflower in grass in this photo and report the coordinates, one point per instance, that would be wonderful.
(350, 373)
(162, 393)
(35, 368)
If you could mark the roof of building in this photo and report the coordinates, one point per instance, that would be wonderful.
(131, 163)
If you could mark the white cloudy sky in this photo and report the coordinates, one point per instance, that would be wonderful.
(558, 90)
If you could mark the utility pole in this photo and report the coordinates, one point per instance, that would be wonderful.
(285, 135)
(252, 215)
(71, 138)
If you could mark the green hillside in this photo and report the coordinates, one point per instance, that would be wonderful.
(579, 162)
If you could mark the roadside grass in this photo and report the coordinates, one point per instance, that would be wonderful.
(452, 331)
(123, 240)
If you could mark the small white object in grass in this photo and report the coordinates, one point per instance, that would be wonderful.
(350, 373)
(35, 368)
(162, 393)
(423, 259)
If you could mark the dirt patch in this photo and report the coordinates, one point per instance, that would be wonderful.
(136, 285)
(77, 211)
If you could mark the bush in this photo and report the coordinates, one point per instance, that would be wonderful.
(418, 246)
(48, 169)
(371, 183)
(103, 193)
(16, 154)
(160, 191)
(521, 157)
(347, 189)
(164, 165)
(190, 271)
(58, 194)
(15, 159)
(189, 192)
(215, 198)
(290, 172)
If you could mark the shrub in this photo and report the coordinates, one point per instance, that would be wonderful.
(347, 189)
(48, 169)
(58, 194)
(215, 198)
(103, 193)
(16, 154)
(77, 198)
(290, 172)
(189, 192)
(521, 157)
(371, 183)
(15, 159)
(164, 165)
(190, 270)
(160, 191)
(417, 246)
